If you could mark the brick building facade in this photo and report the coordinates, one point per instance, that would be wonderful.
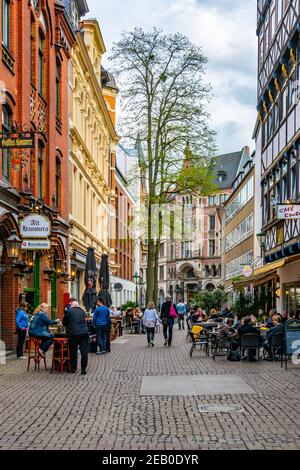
(36, 39)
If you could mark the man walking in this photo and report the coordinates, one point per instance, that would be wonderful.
(101, 321)
(75, 323)
(181, 310)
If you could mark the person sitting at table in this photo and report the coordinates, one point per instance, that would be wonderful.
(227, 329)
(202, 315)
(118, 312)
(245, 328)
(236, 321)
(75, 323)
(270, 323)
(284, 317)
(193, 316)
(277, 328)
(39, 328)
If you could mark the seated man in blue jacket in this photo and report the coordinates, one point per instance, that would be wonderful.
(101, 320)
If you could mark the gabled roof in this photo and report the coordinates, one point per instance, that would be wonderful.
(228, 166)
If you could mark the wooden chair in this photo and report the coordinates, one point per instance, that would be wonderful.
(61, 355)
(34, 345)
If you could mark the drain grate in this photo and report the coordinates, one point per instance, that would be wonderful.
(221, 408)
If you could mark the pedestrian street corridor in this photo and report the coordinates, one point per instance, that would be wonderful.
(151, 398)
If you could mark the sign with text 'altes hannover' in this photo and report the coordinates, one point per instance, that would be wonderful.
(288, 211)
(35, 226)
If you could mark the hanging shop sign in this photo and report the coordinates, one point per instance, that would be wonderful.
(248, 271)
(17, 141)
(36, 245)
(35, 226)
(288, 211)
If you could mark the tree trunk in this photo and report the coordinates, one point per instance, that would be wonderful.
(150, 260)
(156, 257)
(150, 272)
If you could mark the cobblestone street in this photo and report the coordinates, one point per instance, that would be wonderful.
(105, 409)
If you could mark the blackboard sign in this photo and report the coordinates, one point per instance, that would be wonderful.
(291, 334)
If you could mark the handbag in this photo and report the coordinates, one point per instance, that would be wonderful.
(173, 313)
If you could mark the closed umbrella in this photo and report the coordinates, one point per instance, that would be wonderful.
(90, 294)
(104, 281)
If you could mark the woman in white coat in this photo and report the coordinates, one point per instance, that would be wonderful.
(150, 318)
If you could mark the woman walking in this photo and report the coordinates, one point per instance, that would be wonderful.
(150, 318)
(22, 327)
(167, 314)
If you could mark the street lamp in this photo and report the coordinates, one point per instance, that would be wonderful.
(261, 237)
(137, 280)
(13, 247)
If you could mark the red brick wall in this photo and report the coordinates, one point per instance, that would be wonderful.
(18, 85)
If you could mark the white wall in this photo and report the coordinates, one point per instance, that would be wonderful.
(257, 195)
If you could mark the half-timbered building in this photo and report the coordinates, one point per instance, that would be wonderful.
(277, 138)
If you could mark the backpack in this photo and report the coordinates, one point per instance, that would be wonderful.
(234, 356)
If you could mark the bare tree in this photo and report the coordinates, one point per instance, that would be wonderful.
(163, 98)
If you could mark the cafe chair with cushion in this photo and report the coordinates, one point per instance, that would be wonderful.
(198, 339)
(250, 341)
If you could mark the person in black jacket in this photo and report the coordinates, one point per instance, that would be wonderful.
(245, 328)
(167, 320)
(276, 329)
(75, 323)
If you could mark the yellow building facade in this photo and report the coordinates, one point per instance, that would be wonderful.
(93, 141)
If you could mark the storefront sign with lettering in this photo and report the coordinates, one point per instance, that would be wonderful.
(288, 211)
(17, 141)
(35, 226)
(36, 245)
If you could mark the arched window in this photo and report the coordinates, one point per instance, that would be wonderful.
(214, 270)
(41, 62)
(58, 89)
(207, 271)
(6, 127)
(6, 23)
(41, 151)
(210, 287)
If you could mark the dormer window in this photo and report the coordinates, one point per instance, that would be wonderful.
(221, 175)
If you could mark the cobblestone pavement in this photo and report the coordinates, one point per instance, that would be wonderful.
(104, 409)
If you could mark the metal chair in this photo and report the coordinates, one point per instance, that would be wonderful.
(198, 340)
(276, 343)
(219, 345)
(250, 341)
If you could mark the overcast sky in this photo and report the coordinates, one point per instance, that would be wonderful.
(226, 31)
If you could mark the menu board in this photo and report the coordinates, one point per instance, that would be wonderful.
(291, 336)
